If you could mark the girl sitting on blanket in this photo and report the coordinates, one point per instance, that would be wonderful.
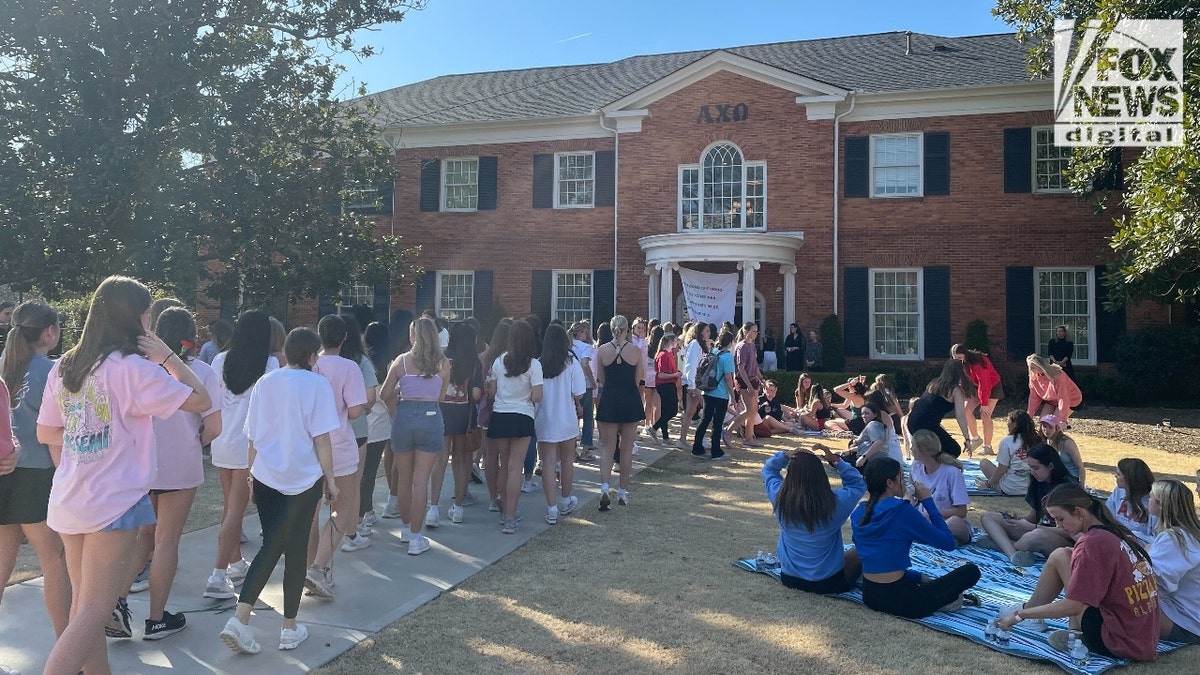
(1176, 555)
(1036, 531)
(885, 527)
(943, 475)
(811, 514)
(1130, 500)
(1110, 590)
(1010, 474)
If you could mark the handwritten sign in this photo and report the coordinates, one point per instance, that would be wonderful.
(710, 297)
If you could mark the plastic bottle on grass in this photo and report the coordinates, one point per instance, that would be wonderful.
(989, 631)
(1003, 637)
(1079, 653)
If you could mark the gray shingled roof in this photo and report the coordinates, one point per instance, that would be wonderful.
(868, 63)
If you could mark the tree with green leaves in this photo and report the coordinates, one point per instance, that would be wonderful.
(1157, 237)
(195, 144)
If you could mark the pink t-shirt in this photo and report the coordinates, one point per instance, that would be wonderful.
(177, 438)
(349, 389)
(108, 459)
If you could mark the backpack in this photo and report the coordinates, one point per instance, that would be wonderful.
(706, 372)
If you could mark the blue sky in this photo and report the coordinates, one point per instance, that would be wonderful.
(463, 36)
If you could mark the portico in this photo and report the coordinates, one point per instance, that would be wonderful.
(665, 253)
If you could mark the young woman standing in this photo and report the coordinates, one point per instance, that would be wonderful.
(557, 421)
(379, 424)
(289, 421)
(25, 491)
(811, 515)
(96, 417)
(516, 387)
(1062, 351)
(458, 413)
(667, 384)
(354, 350)
(238, 369)
(793, 349)
(697, 343)
(748, 381)
(415, 383)
(491, 451)
(716, 401)
(988, 392)
(1109, 585)
(618, 407)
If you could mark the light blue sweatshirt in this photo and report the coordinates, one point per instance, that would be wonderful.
(815, 555)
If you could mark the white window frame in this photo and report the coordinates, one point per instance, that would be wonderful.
(1033, 161)
(558, 157)
(920, 351)
(367, 195)
(352, 291)
(920, 136)
(554, 293)
(437, 290)
(1091, 318)
(699, 169)
(442, 193)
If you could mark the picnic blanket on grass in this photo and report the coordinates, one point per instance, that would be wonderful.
(1000, 585)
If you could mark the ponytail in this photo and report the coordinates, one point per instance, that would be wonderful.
(29, 321)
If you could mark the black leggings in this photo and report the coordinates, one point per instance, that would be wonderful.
(949, 445)
(911, 599)
(714, 413)
(286, 520)
(366, 487)
(668, 406)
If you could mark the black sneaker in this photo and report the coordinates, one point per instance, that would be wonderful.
(169, 624)
(118, 623)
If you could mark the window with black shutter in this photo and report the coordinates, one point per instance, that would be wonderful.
(937, 163)
(856, 325)
(1018, 158)
(856, 182)
(1019, 312)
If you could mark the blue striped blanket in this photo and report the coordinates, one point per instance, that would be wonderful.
(973, 475)
(1001, 585)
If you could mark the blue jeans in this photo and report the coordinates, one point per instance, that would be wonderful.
(589, 419)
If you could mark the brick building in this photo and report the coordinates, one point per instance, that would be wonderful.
(906, 182)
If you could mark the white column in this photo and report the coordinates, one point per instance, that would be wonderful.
(789, 296)
(652, 292)
(748, 268)
(665, 287)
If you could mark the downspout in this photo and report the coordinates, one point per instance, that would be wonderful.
(616, 182)
(836, 172)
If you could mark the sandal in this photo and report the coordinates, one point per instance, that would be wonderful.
(971, 600)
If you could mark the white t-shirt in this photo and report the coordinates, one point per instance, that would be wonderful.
(370, 381)
(177, 438)
(230, 448)
(1178, 575)
(1012, 454)
(556, 420)
(108, 460)
(288, 409)
(947, 484)
(379, 422)
(1126, 516)
(514, 394)
(348, 390)
(583, 351)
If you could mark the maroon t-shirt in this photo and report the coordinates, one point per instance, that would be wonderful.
(747, 359)
(1107, 575)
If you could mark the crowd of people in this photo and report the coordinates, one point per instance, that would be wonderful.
(109, 444)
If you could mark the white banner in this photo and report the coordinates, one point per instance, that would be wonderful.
(709, 297)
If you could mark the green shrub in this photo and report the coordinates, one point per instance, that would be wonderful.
(1160, 362)
(833, 354)
(977, 336)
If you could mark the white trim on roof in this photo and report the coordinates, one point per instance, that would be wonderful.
(500, 131)
(952, 101)
(718, 61)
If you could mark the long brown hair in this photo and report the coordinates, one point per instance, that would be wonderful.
(521, 348)
(952, 376)
(1024, 429)
(805, 497)
(29, 321)
(1138, 479)
(114, 323)
(1070, 496)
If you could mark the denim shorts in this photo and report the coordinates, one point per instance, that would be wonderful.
(417, 426)
(138, 515)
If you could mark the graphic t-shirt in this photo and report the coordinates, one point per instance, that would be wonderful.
(1012, 453)
(349, 390)
(1107, 575)
(1118, 505)
(108, 459)
(177, 438)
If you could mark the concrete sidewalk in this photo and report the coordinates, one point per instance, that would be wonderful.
(374, 587)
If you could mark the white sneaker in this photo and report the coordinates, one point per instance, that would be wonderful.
(456, 514)
(495, 505)
(316, 584)
(238, 637)
(244, 538)
(364, 530)
(418, 545)
(552, 515)
(237, 572)
(683, 445)
(404, 536)
(356, 543)
(433, 516)
(568, 505)
(391, 511)
(469, 499)
(528, 487)
(369, 518)
(219, 588)
(291, 638)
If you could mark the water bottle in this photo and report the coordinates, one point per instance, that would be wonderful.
(1072, 638)
(1003, 637)
(760, 561)
(1079, 653)
(989, 631)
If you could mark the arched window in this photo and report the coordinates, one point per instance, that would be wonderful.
(723, 191)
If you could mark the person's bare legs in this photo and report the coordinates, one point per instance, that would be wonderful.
(422, 467)
(341, 522)
(562, 454)
(960, 528)
(1005, 532)
(987, 467)
(437, 476)
(626, 434)
(491, 467)
(750, 402)
(608, 439)
(972, 427)
(513, 453)
(404, 465)
(566, 470)
(985, 416)
(691, 403)
(171, 509)
(460, 466)
(1044, 540)
(389, 470)
(49, 549)
(96, 563)
(1055, 576)
(237, 496)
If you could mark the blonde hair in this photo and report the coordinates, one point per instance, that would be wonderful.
(278, 335)
(927, 443)
(1177, 511)
(619, 324)
(1052, 370)
(426, 353)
